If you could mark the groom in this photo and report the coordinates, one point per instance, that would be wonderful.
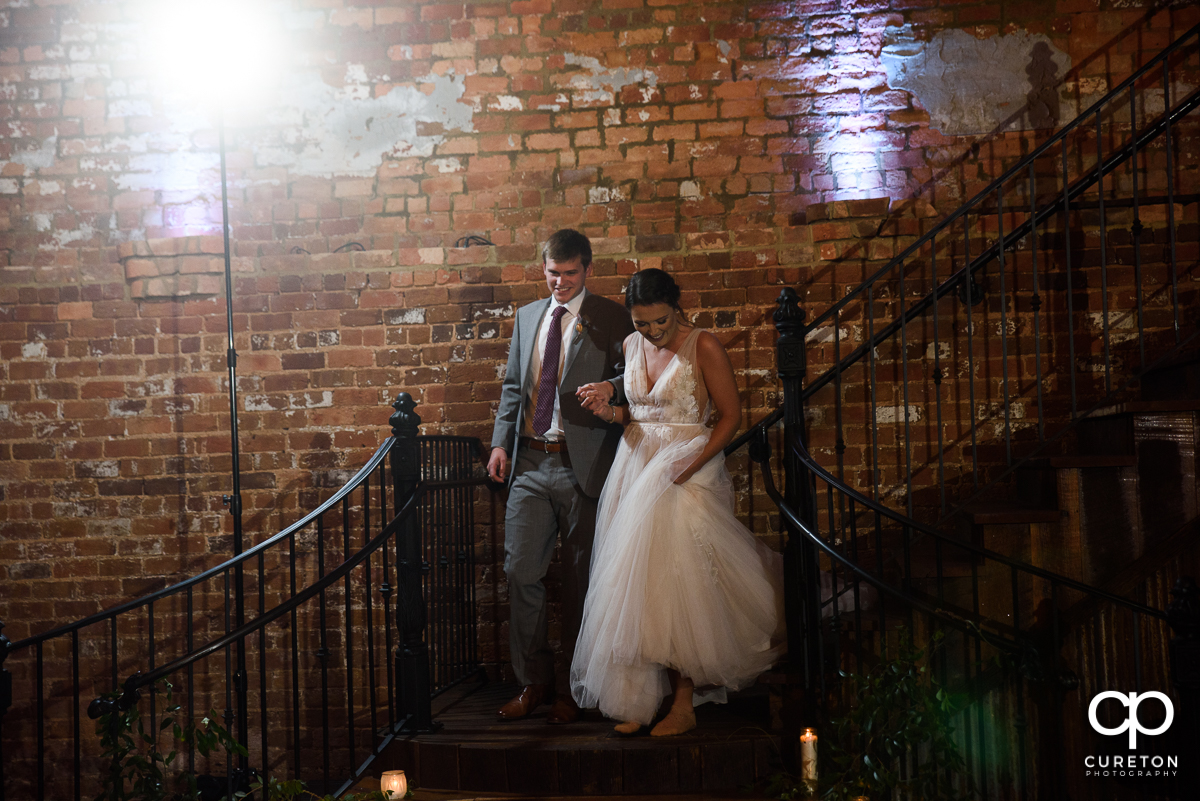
(555, 455)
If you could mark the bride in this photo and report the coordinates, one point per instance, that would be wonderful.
(681, 595)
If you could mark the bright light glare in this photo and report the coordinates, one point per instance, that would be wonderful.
(226, 52)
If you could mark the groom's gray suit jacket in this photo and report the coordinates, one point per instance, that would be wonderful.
(595, 355)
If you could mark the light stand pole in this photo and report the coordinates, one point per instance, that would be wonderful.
(234, 500)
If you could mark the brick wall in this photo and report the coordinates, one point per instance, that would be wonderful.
(742, 146)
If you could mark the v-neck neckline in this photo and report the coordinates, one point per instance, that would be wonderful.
(670, 363)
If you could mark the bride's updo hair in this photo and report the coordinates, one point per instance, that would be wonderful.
(650, 286)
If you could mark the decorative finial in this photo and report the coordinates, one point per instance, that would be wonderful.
(406, 420)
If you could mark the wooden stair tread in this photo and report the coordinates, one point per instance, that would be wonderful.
(1146, 407)
(476, 751)
(1098, 460)
(1008, 514)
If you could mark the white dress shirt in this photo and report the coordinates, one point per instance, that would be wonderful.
(555, 432)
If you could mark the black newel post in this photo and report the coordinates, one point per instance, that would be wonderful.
(1183, 615)
(412, 657)
(5, 699)
(802, 594)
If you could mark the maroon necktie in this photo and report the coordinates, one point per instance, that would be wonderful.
(548, 380)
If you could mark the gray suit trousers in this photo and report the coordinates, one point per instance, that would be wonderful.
(545, 502)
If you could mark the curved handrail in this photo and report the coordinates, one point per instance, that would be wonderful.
(955, 279)
(1023, 164)
(138, 680)
(754, 430)
(958, 621)
(228, 564)
(810, 463)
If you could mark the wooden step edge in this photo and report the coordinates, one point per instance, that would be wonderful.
(1145, 407)
(1008, 515)
(1100, 460)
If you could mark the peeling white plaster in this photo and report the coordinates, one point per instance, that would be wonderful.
(33, 350)
(322, 132)
(81, 234)
(824, 334)
(972, 86)
(179, 171)
(42, 157)
(943, 350)
(596, 79)
(893, 414)
(505, 103)
(447, 165)
(689, 189)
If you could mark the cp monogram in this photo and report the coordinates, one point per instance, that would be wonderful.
(1131, 723)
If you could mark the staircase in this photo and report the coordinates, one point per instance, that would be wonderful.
(998, 444)
(1000, 425)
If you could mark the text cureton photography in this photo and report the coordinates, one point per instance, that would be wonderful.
(1130, 765)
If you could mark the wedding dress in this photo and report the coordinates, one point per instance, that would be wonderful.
(676, 580)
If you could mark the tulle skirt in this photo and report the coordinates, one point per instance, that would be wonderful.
(676, 581)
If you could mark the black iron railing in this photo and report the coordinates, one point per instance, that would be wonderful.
(1013, 637)
(1042, 299)
(365, 610)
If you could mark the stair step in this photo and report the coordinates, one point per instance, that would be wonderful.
(1147, 407)
(1007, 514)
(475, 752)
(1086, 461)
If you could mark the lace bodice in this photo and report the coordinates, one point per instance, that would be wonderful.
(679, 396)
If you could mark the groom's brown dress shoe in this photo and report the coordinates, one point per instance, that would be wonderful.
(530, 697)
(563, 710)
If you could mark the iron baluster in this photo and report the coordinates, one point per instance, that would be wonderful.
(1171, 203)
(1103, 254)
(323, 653)
(1071, 366)
(348, 616)
(189, 640)
(840, 443)
(77, 755)
(937, 387)
(1004, 330)
(385, 592)
(150, 649)
(871, 412)
(39, 662)
(6, 699)
(1036, 304)
(369, 607)
(904, 411)
(970, 354)
(295, 642)
(1136, 229)
(265, 773)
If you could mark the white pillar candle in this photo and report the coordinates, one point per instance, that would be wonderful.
(808, 758)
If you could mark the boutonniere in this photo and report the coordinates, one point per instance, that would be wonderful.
(582, 323)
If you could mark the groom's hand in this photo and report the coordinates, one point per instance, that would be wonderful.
(596, 397)
(497, 466)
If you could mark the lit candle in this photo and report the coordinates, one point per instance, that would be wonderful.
(393, 783)
(808, 758)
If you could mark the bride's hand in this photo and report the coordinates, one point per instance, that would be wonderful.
(692, 470)
(595, 398)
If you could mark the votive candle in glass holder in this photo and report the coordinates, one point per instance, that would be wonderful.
(394, 783)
